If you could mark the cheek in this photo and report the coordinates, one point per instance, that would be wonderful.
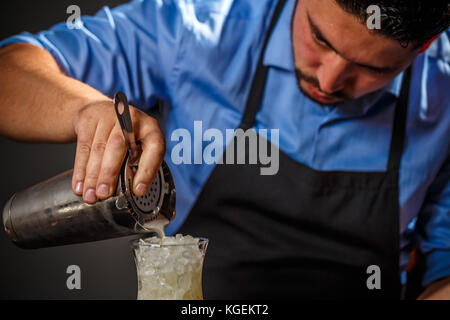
(364, 84)
(306, 54)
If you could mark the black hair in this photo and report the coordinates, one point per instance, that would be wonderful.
(407, 21)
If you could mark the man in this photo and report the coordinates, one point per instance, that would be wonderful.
(363, 139)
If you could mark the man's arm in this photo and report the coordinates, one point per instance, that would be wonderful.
(433, 229)
(38, 102)
(439, 290)
(55, 95)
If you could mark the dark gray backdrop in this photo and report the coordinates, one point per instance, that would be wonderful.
(107, 267)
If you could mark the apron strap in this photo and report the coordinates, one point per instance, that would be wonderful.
(399, 126)
(259, 80)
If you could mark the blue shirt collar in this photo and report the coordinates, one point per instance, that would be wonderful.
(362, 105)
(395, 85)
(279, 47)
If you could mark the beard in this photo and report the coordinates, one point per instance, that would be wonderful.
(301, 76)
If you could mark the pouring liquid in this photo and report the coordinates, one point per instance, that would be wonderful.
(157, 226)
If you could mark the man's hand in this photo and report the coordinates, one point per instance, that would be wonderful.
(438, 290)
(101, 150)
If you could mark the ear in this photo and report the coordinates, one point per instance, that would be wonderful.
(425, 47)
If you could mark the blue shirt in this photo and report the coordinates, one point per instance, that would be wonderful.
(200, 57)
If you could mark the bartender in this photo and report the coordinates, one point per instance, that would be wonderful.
(363, 121)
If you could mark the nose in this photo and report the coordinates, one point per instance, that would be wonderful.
(332, 73)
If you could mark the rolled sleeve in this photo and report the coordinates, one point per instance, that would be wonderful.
(433, 228)
(118, 49)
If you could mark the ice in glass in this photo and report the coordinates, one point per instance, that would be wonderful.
(170, 268)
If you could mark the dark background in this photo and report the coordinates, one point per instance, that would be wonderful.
(107, 267)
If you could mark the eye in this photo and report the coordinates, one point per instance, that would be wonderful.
(376, 71)
(318, 40)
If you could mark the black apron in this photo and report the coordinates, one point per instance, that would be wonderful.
(301, 233)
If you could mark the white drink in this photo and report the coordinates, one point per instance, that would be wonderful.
(170, 268)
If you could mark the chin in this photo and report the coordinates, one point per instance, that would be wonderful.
(314, 96)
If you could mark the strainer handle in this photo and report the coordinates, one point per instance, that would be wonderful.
(123, 115)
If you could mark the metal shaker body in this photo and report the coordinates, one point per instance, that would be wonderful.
(50, 214)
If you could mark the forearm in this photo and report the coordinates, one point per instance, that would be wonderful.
(38, 102)
(439, 290)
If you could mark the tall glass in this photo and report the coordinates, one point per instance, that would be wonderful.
(169, 271)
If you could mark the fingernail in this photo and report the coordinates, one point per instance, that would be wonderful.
(141, 188)
(79, 187)
(103, 190)
(90, 196)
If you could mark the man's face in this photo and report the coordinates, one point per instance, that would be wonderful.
(337, 58)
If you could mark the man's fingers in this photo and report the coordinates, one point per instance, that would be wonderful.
(101, 150)
(95, 161)
(112, 161)
(153, 150)
(85, 135)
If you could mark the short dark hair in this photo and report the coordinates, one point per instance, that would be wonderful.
(407, 21)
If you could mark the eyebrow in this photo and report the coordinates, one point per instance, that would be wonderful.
(320, 36)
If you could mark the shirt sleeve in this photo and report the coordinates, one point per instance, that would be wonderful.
(131, 48)
(433, 227)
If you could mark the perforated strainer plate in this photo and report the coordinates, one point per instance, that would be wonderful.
(160, 195)
(150, 201)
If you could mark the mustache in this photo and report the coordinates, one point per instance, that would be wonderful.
(315, 82)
